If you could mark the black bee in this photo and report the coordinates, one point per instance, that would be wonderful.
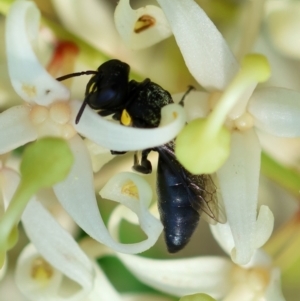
(181, 195)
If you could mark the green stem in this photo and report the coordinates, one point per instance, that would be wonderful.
(287, 178)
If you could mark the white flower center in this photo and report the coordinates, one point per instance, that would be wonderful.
(53, 120)
(248, 284)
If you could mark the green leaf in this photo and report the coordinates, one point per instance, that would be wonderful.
(286, 177)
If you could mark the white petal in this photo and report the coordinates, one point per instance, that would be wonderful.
(142, 27)
(121, 138)
(3, 269)
(9, 183)
(56, 245)
(196, 104)
(238, 179)
(223, 235)
(26, 281)
(178, 277)
(135, 193)
(273, 291)
(16, 128)
(77, 196)
(99, 155)
(29, 78)
(205, 51)
(276, 111)
(264, 226)
(102, 290)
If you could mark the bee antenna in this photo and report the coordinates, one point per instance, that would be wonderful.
(80, 111)
(190, 88)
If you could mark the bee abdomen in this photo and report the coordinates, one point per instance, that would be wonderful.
(177, 215)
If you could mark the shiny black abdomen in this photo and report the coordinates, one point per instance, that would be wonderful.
(177, 215)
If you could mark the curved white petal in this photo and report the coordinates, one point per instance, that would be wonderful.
(99, 155)
(273, 291)
(276, 111)
(102, 289)
(77, 196)
(179, 277)
(134, 192)
(223, 235)
(29, 78)
(121, 138)
(142, 27)
(205, 51)
(264, 226)
(16, 128)
(9, 180)
(27, 279)
(57, 246)
(238, 179)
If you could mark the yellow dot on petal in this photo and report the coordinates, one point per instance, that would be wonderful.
(130, 189)
(41, 270)
(38, 114)
(60, 112)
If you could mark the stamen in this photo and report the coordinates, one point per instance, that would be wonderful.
(60, 112)
(143, 23)
(38, 114)
(244, 122)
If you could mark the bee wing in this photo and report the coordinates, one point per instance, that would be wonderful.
(209, 199)
(203, 193)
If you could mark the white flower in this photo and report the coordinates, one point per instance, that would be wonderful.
(204, 144)
(216, 276)
(49, 111)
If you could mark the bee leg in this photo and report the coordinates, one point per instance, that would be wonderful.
(145, 167)
(117, 153)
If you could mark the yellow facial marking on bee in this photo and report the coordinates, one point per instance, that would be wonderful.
(126, 119)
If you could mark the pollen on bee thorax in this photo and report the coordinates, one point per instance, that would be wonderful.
(53, 120)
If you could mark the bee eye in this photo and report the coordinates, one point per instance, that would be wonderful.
(106, 98)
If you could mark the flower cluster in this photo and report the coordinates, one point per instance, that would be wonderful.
(215, 131)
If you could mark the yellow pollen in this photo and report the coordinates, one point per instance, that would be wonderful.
(38, 114)
(244, 122)
(175, 115)
(60, 112)
(143, 23)
(126, 119)
(41, 270)
(29, 90)
(130, 189)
